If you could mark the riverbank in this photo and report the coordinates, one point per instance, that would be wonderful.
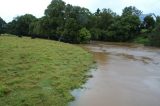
(148, 39)
(36, 72)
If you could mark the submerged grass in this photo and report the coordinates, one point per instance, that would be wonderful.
(35, 72)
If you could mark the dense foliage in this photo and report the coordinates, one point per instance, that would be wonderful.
(64, 22)
(155, 35)
(150, 33)
(20, 25)
(149, 23)
(2, 25)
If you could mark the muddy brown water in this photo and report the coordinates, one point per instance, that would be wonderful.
(126, 75)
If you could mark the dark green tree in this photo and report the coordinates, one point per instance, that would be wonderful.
(158, 19)
(2, 26)
(81, 15)
(71, 30)
(55, 9)
(124, 28)
(97, 12)
(55, 12)
(11, 27)
(105, 19)
(20, 25)
(157, 23)
(75, 24)
(96, 33)
(41, 28)
(100, 22)
(131, 10)
(149, 23)
(66, 20)
(155, 35)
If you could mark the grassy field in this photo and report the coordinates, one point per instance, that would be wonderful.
(35, 72)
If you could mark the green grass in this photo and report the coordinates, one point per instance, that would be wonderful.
(35, 72)
(142, 40)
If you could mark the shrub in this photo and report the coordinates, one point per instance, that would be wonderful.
(155, 39)
(84, 35)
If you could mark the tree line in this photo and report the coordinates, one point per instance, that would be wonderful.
(74, 24)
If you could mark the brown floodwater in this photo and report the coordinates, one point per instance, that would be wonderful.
(126, 75)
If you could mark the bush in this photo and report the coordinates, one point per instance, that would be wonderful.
(142, 40)
(155, 36)
(84, 35)
(155, 39)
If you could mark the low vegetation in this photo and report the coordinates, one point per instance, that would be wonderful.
(35, 72)
(142, 39)
(151, 35)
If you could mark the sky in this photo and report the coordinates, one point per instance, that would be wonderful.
(9, 9)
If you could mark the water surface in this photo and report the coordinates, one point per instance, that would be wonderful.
(126, 75)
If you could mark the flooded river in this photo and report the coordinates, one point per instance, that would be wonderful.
(126, 75)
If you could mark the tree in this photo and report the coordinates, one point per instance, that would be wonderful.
(158, 23)
(149, 23)
(55, 13)
(131, 10)
(155, 35)
(127, 26)
(2, 25)
(65, 21)
(119, 31)
(158, 20)
(21, 25)
(55, 9)
(97, 12)
(71, 31)
(100, 22)
(105, 19)
(11, 27)
(75, 24)
(124, 28)
(81, 15)
(95, 33)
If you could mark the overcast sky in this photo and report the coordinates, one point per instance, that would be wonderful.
(12, 8)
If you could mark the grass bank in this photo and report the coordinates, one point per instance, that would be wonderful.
(142, 40)
(35, 72)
